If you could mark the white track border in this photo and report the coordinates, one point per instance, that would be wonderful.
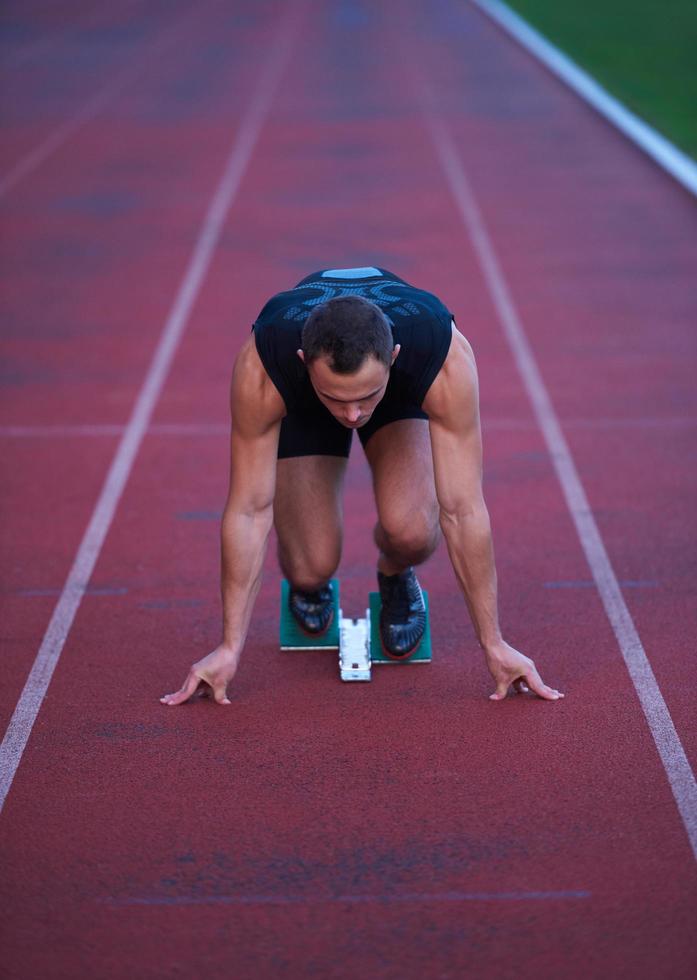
(88, 552)
(667, 741)
(680, 166)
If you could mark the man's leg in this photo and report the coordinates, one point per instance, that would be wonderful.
(407, 532)
(313, 450)
(308, 522)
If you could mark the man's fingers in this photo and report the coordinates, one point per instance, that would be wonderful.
(184, 693)
(195, 683)
(540, 688)
(523, 685)
(501, 690)
(220, 694)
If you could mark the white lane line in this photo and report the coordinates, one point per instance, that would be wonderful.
(223, 428)
(96, 431)
(28, 706)
(58, 431)
(29, 163)
(190, 429)
(421, 898)
(680, 776)
(597, 424)
(680, 166)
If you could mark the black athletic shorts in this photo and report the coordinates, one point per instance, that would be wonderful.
(315, 431)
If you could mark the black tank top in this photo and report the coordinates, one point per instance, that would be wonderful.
(419, 322)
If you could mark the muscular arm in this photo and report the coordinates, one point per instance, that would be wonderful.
(452, 404)
(256, 412)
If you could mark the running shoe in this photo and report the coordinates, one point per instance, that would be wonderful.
(313, 611)
(403, 613)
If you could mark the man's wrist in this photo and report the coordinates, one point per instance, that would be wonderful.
(492, 644)
(229, 649)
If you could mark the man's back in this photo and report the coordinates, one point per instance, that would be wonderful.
(419, 321)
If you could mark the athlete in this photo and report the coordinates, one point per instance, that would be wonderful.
(356, 349)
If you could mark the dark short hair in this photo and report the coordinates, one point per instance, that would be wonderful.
(346, 330)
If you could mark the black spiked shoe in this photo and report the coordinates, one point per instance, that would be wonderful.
(403, 613)
(313, 611)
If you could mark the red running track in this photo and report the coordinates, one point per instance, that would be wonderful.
(410, 827)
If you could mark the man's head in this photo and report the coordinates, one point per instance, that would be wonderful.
(348, 349)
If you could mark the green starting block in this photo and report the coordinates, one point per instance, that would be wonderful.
(422, 654)
(293, 638)
(356, 640)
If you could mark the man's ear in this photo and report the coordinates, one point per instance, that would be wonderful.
(301, 355)
(395, 352)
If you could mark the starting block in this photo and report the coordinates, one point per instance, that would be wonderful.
(293, 638)
(356, 640)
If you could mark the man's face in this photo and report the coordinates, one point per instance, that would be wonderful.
(351, 398)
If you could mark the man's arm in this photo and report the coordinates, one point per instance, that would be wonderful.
(256, 409)
(452, 404)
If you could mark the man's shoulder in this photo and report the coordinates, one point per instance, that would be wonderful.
(455, 387)
(290, 307)
(282, 308)
(252, 388)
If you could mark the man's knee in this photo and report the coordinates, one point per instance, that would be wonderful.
(412, 539)
(309, 570)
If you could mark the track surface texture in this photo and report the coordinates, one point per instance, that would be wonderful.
(409, 828)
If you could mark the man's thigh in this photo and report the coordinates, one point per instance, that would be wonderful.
(400, 459)
(308, 504)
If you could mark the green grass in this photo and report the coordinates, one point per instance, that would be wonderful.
(642, 51)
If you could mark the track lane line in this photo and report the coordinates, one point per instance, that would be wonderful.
(670, 749)
(420, 898)
(39, 678)
(98, 430)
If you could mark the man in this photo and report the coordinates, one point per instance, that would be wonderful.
(356, 349)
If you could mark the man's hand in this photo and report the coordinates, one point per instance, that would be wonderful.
(509, 667)
(209, 676)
